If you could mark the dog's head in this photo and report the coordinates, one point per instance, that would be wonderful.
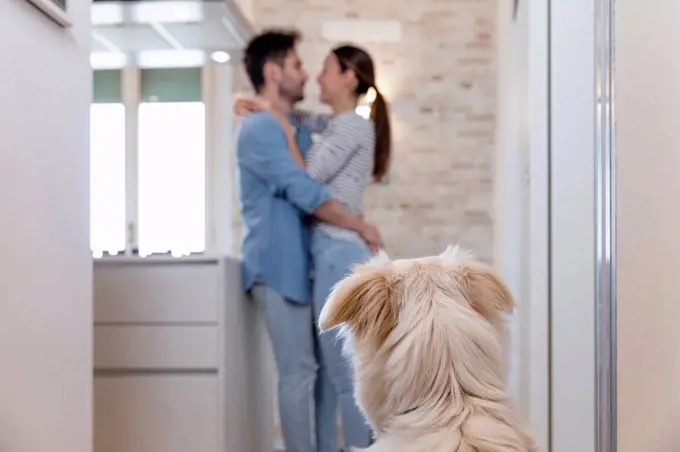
(421, 332)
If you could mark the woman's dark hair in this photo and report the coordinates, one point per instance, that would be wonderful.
(360, 62)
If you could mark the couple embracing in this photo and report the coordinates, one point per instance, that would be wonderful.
(302, 205)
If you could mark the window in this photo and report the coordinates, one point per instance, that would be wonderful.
(107, 165)
(171, 178)
(148, 181)
(171, 162)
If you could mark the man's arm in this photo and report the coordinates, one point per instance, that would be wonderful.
(334, 213)
(262, 148)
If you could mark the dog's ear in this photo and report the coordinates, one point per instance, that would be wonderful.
(485, 290)
(363, 301)
(454, 253)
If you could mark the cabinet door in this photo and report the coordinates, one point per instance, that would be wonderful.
(156, 347)
(156, 413)
(156, 293)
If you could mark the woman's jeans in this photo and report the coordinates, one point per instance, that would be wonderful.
(333, 260)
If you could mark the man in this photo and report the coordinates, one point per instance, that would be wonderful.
(276, 198)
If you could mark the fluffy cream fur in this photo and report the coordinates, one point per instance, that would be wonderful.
(426, 337)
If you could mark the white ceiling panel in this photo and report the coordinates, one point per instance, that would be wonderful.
(135, 27)
(134, 38)
(206, 35)
(97, 46)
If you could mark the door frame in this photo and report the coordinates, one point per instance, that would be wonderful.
(582, 227)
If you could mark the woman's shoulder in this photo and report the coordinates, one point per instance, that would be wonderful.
(353, 122)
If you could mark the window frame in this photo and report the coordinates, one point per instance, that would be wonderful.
(131, 91)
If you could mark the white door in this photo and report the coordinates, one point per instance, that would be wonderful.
(578, 222)
(647, 105)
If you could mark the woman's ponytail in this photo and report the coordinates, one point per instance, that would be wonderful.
(383, 136)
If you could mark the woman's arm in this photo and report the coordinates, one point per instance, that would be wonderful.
(244, 105)
(344, 137)
(315, 122)
(290, 137)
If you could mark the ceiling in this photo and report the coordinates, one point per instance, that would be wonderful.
(165, 33)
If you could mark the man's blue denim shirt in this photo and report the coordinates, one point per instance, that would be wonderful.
(276, 198)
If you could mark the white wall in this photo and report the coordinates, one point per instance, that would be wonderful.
(46, 270)
(510, 187)
(572, 239)
(246, 7)
(648, 163)
(520, 199)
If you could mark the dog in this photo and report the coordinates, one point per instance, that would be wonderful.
(427, 338)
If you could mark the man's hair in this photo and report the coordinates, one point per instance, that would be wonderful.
(271, 45)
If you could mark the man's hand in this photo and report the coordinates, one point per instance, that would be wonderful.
(372, 236)
(332, 212)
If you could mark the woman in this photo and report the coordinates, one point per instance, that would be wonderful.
(352, 150)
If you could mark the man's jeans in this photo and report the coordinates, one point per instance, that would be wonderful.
(293, 337)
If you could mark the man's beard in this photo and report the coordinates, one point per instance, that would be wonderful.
(291, 95)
